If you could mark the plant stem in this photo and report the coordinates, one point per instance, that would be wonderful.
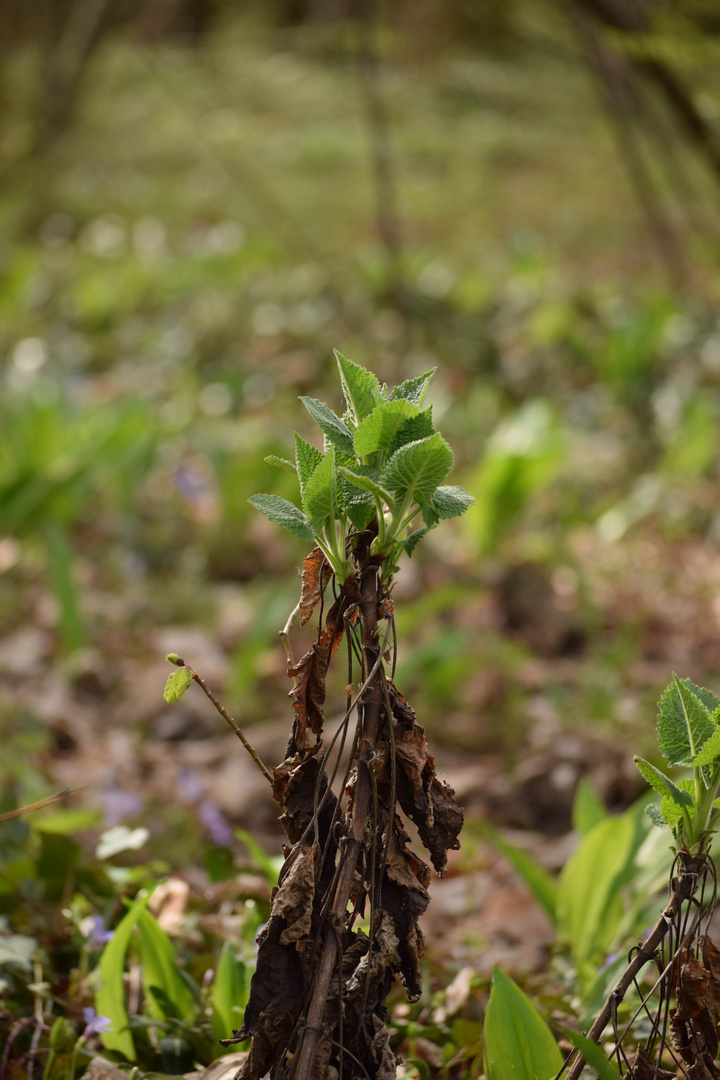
(371, 711)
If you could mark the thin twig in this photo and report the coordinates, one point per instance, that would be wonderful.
(42, 802)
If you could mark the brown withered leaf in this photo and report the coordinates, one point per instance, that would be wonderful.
(645, 1068)
(316, 573)
(309, 674)
(711, 961)
(293, 900)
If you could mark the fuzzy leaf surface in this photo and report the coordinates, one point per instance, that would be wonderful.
(358, 502)
(710, 751)
(412, 541)
(415, 470)
(416, 427)
(448, 501)
(684, 723)
(377, 430)
(413, 390)
(282, 463)
(662, 783)
(364, 477)
(307, 459)
(283, 513)
(337, 432)
(360, 388)
(320, 495)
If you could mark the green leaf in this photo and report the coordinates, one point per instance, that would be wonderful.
(535, 876)
(415, 470)
(416, 427)
(593, 1054)
(710, 751)
(110, 998)
(518, 1043)
(587, 810)
(320, 494)
(307, 459)
(337, 432)
(412, 541)
(446, 502)
(283, 513)
(684, 723)
(362, 476)
(176, 685)
(229, 996)
(282, 463)
(358, 502)
(654, 812)
(662, 783)
(160, 971)
(413, 390)
(360, 388)
(377, 431)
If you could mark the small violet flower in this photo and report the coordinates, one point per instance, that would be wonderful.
(214, 823)
(98, 934)
(94, 1024)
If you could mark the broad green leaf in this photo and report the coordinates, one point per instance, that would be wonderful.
(358, 502)
(337, 432)
(176, 685)
(269, 864)
(684, 723)
(671, 811)
(377, 430)
(518, 1043)
(417, 427)
(283, 513)
(110, 998)
(229, 996)
(446, 502)
(710, 751)
(415, 470)
(587, 810)
(654, 812)
(366, 482)
(593, 1054)
(589, 908)
(160, 971)
(360, 388)
(662, 783)
(320, 495)
(412, 541)
(282, 463)
(307, 459)
(413, 390)
(708, 699)
(535, 876)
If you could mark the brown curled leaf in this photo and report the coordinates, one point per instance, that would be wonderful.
(316, 573)
(309, 674)
(645, 1068)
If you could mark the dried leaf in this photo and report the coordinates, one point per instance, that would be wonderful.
(316, 573)
(309, 674)
(294, 898)
(645, 1068)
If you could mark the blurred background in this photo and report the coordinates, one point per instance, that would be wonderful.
(200, 199)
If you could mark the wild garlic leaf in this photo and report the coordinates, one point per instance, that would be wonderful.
(360, 388)
(282, 463)
(416, 427)
(307, 459)
(413, 390)
(364, 477)
(319, 498)
(283, 513)
(415, 470)
(684, 723)
(377, 430)
(337, 432)
(662, 783)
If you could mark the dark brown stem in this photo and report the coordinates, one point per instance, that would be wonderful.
(371, 713)
(685, 887)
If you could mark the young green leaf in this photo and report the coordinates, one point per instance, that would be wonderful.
(593, 1054)
(710, 751)
(415, 470)
(684, 723)
(283, 513)
(359, 503)
(662, 783)
(337, 432)
(281, 462)
(160, 973)
(655, 813)
(413, 390)
(320, 494)
(363, 477)
(518, 1043)
(110, 997)
(377, 430)
(360, 388)
(176, 685)
(412, 541)
(229, 996)
(414, 428)
(446, 502)
(307, 459)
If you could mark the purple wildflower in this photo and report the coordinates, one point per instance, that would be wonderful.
(120, 805)
(214, 823)
(94, 1024)
(192, 788)
(98, 934)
